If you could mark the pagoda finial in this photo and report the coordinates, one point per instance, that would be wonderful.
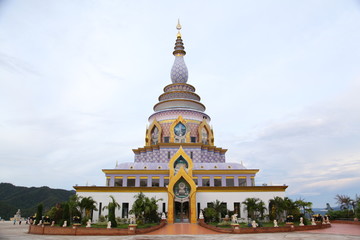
(179, 72)
(178, 27)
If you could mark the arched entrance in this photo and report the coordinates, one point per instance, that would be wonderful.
(181, 189)
(181, 201)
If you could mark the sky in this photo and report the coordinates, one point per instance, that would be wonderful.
(280, 80)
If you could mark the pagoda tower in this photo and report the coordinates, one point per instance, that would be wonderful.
(179, 164)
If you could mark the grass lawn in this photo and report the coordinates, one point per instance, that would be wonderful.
(245, 225)
(123, 226)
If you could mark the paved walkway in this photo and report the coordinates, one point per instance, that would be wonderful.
(182, 228)
(338, 228)
(8, 231)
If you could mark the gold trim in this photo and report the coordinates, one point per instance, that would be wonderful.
(187, 175)
(118, 177)
(172, 120)
(219, 171)
(210, 133)
(155, 123)
(135, 171)
(172, 144)
(243, 189)
(179, 100)
(180, 119)
(119, 189)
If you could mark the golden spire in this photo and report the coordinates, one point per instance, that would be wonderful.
(178, 27)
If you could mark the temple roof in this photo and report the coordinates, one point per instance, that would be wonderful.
(165, 166)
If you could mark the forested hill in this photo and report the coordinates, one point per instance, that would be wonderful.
(27, 199)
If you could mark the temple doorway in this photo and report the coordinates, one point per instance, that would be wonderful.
(181, 212)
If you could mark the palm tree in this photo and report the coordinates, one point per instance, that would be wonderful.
(343, 200)
(145, 209)
(276, 208)
(251, 207)
(111, 208)
(304, 206)
(73, 205)
(219, 207)
(87, 204)
(260, 208)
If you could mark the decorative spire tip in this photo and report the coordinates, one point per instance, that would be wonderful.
(178, 27)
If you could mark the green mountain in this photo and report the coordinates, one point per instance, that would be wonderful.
(27, 199)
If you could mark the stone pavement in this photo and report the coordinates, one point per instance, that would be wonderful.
(8, 231)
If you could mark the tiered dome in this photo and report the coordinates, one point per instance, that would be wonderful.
(179, 94)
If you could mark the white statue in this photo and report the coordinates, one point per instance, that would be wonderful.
(34, 223)
(204, 136)
(275, 223)
(201, 215)
(163, 216)
(327, 221)
(65, 224)
(234, 218)
(109, 224)
(40, 223)
(155, 136)
(132, 219)
(52, 223)
(254, 224)
(301, 221)
(313, 221)
(88, 223)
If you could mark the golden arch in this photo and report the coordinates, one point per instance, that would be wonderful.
(173, 179)
(155, 123)
(210, 132)
(172, 126)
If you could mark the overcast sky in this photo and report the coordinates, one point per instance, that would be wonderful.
(280, 80)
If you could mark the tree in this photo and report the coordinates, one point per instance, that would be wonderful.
(66, 213)
(39, 212)
(343, 200)
(220, 209)
(111, 208)
(87, 204)
(306, 207)
(73, 204)
(251, 206)
(145, 209)
(276, 208)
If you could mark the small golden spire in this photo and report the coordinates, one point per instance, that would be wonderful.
(178, 27)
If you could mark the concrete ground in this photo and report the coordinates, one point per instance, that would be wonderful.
(8, 231)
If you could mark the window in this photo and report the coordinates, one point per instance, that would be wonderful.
(118, 182)
(229, 181)
(252, 181)
(131, 182)
(195, 180)
(166, 182)
(237, 209)
(143, 181)
(217, 182)
(164, 207)
(168, 155)
(108, 181)
(242, 182)
(155, 182)
(166, 139)
(100, 208)
(205, 182)
(193, 139)
(198, 209)
(191, 155)
(125, 210)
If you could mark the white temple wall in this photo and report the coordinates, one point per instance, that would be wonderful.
(232, 197)
(122, 197)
